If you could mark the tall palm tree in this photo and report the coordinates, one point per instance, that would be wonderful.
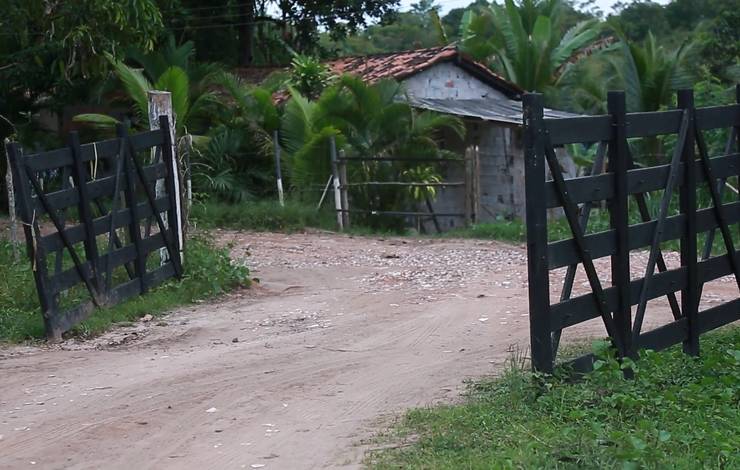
(523, 41)
(649, 73)
(189, 99)
(365, 120)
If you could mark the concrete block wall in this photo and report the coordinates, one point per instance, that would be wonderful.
(448, 81)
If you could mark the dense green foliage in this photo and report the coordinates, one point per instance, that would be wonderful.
(55, 60)
(677, 412)
(526, 42)
(264, 216)
(208, 272)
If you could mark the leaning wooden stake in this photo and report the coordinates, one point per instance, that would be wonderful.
(160, 104)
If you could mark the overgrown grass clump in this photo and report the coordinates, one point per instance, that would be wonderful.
(263, 216)
(677, 412)
(208, 272)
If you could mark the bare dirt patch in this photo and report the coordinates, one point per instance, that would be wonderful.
(297, 372)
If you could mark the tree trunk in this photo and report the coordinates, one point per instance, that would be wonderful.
(246, 33)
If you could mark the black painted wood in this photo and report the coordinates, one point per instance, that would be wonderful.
(687, 206)
(660, 221)
(114, 172)
(624, 179)
(639, 180)
(619, 222)
(536, 219)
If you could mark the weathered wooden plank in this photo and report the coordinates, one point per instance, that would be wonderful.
(664, 336)
(578, 129)
(71, 277)
(678, 154)
(718, 117)
(48, 160)
(146, 140)
(536, 221)
(687, 206)
(619, 163)
(584, 307)
(563, 252)
(653, 123)
(639, 180)
(53, 242)
(98, 188)
(719, 315)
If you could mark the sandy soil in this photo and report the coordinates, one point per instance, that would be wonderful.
(340, 336)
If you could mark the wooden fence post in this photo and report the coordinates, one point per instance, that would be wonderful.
(536, 220)
(188, 177)
(14, 242)
(160, 104)
(619, 221)
(344, 192)
(687, 203)
(278, 172)
(335, 175)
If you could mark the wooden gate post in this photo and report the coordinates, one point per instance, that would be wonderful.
(160, 104)
(536, 220)
(619, 221)
(687, 203)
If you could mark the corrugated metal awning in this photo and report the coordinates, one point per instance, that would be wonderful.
(487, 109)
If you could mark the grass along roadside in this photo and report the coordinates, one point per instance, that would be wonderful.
(208, 272)
(264, 215)
(678, 412)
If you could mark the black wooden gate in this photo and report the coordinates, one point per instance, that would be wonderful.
(622, 305)
(92, 215)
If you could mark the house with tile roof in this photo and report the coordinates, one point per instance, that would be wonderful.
(445, 80)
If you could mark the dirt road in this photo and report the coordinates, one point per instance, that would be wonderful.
(340, 335)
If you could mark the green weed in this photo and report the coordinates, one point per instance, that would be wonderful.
(208, 272)
(677, 412)
(263, 216)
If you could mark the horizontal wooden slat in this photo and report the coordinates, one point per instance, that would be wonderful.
(578, 129)
(597, 128)
(48, 160)
(70, 277)
(106, 149)
(719, 315)
(101, 225)
(664, 336)
(584, 307)
(145, 140)
(97, 188)
(653, 123)
(564, 252)
(639, 180)
(65, 321)
(718, 117)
